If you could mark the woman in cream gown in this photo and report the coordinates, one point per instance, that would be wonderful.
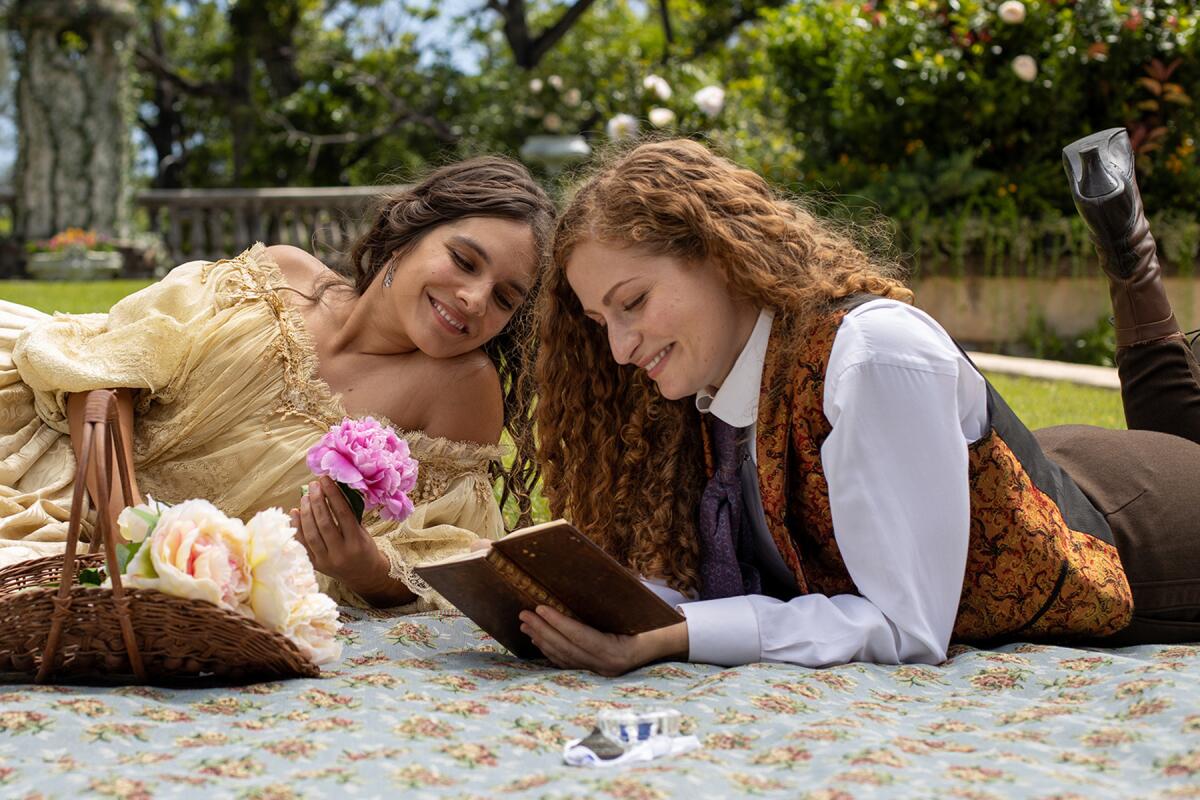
(229, 400)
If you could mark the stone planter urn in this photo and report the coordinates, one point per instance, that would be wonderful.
(75, 265)
(555, 152)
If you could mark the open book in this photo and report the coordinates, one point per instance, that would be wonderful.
(551, 564)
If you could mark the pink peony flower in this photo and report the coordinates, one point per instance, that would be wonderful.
(372, 460)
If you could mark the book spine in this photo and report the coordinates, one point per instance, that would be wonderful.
(521, 581)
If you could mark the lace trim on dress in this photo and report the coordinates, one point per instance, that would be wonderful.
(406, 573)
(442, 461)
(259, 278)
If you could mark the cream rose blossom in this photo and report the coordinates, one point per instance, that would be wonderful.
(313, 626)
(1012, 12)
(197, 552)
(710, 100)
(1025, 67)
(135, 522)
(284, 595)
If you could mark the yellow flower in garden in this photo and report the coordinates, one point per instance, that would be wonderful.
(72, 239)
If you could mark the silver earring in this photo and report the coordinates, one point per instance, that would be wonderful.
(387, 277)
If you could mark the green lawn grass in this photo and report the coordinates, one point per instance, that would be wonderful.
(72, 297)
(1041, 404)
(1038, 403)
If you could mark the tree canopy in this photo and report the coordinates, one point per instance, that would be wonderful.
(922, 108)
(326, 92)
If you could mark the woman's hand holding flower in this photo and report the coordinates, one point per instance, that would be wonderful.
(372, 461)
(571, 644)
(339, 546)
(362, 464)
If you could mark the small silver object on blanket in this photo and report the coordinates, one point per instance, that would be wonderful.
(624, 736)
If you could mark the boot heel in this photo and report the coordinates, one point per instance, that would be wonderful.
(1103, 185)
(1098, 165)
(1100, 171)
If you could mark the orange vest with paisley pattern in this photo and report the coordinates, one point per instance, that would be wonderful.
(1041, 560)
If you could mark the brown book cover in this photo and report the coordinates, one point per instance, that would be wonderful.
(550, 564)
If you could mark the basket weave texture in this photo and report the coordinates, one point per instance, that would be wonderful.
(54, 629)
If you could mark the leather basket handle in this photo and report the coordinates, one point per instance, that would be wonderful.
(103, 443)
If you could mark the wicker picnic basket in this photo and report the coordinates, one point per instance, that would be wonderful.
(55, 629)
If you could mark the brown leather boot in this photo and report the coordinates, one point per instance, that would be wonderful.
(1100, 170)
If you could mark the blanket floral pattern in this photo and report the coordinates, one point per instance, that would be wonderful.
(431, 706)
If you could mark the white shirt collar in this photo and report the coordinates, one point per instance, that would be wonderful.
(736, 402)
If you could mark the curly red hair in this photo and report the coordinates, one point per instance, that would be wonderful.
(620, 460)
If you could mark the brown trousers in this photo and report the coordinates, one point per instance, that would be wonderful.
(1146, 481)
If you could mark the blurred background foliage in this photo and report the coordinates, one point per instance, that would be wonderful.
(948, 116)
(929, 105)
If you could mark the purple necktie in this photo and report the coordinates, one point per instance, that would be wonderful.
(725, 548)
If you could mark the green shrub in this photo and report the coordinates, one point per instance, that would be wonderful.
(1094, 346)
(917, 106)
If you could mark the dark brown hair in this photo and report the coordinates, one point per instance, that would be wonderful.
(487, 186)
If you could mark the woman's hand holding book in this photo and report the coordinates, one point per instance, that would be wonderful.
(571, 644)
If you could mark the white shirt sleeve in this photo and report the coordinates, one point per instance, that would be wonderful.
(904, 404)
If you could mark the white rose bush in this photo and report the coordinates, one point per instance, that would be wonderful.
(1012, 12)
(658, 86)
(1025, 67)
(257, 568)
(622, 126)
(661, 117)
(708, 101)
(696, 103)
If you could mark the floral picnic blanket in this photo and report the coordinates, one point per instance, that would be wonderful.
(429, 706)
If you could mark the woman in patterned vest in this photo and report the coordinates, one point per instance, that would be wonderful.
(741, 404)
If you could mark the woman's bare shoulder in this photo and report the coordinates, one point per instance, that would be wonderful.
(300, 268)
(465, 399)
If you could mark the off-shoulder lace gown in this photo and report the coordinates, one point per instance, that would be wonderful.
(229, 404)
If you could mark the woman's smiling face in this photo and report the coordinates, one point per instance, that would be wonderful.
(672, 318)
(462, 282)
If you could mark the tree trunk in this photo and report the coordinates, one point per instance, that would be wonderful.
(73, 116)
(165, 130)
